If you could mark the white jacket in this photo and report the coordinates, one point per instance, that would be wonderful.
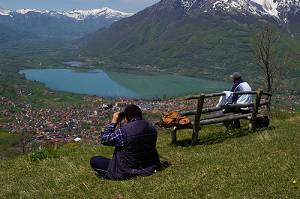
(226, 99)
(244, 99)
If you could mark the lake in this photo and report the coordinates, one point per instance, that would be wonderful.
(118, 84)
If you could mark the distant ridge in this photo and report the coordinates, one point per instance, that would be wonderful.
(67, 23)
(76, 14)
(194, 36)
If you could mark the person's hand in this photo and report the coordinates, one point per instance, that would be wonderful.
(115, 118)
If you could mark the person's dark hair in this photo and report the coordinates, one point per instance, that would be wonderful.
(236, 76)
(131, 111)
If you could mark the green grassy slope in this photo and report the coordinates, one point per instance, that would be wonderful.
(34, 92)
(9, 144)
(263, 164)
(195, 45)
(8, 33)
(15, 56)
(208, 44)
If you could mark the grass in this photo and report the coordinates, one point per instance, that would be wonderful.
(9, 144)
(234, 164)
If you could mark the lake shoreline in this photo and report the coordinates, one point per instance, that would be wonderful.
(145, 91)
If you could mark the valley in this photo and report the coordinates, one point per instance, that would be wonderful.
(63, 73)
(172, 36)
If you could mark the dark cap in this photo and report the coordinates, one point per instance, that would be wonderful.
(236, 75)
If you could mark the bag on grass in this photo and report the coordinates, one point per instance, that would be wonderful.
(172, 119)
(262, 121)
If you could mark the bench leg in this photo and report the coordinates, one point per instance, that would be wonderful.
(195, 137)
(174, 136)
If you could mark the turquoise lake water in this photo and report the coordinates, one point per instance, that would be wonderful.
(117, 84)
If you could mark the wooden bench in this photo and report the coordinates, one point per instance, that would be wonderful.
(214, 115)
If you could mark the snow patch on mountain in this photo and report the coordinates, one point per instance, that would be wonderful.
(4, 12)
(273, 8)
(269, 6)
(187, 4)
(256, 7)
(105, 12)
(26, 11)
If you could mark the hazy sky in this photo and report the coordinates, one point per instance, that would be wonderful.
(123, 5)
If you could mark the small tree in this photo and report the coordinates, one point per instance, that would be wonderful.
(265, 55)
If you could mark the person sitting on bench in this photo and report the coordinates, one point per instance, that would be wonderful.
(239, 85)
(135, 147)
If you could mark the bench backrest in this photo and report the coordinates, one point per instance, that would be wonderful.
(258, 102)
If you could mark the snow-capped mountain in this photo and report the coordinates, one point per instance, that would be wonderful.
(94, 13)
(25, 11)
(74, 14)
(54, 23)
(278, 9)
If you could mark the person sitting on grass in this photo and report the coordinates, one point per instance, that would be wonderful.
(135, 147)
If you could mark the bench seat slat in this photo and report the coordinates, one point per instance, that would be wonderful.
(226, 118)
(218, 115)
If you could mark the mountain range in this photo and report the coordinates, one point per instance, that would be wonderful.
(194, 36)
(45, 23)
